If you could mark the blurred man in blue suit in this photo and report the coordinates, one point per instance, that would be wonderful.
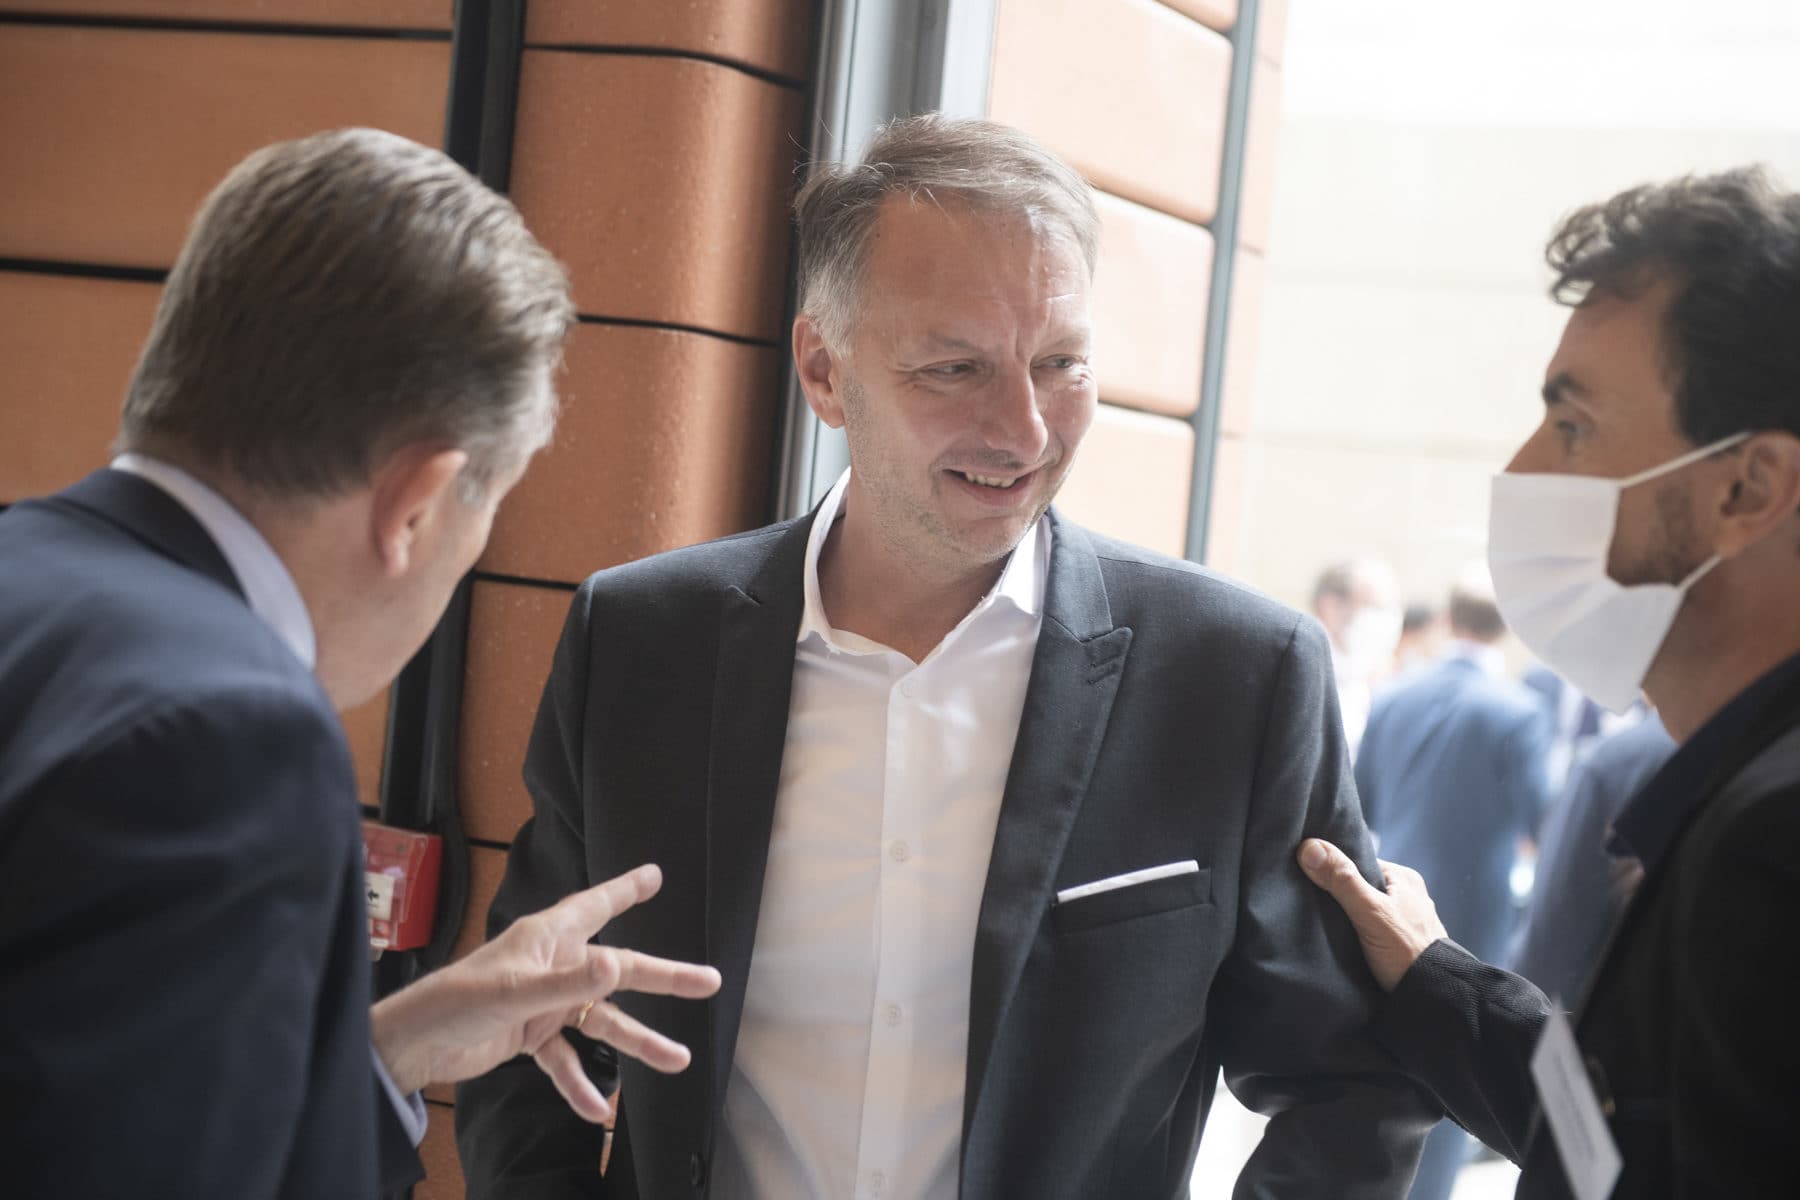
(1452, 777)
(1576, 891)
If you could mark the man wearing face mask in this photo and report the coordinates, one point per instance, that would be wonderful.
(1648, 535)
(1358, 603)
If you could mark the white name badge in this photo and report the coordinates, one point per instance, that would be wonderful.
(1589, 1156)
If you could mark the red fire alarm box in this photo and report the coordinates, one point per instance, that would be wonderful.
(400, 875)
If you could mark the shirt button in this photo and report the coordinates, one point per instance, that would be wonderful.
(907, 689)
(899, 851)
(892, 1015)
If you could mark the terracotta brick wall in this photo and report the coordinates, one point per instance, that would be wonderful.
(1140, 109)
(111, 135)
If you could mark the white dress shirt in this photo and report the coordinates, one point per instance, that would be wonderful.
(274, 596)
(848, 1077)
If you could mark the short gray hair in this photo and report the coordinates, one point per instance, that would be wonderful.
(986, 165)
(338, 297)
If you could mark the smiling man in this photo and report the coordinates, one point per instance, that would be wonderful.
(986, 819)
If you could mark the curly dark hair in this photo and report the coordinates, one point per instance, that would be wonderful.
(1730, 244)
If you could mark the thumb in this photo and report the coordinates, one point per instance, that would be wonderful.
(1332, 870)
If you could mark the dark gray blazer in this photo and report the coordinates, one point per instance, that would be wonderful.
(1171, 714)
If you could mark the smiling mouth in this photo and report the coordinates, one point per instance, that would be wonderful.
(1000, 483)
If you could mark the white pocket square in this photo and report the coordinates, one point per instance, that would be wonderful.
(1111, 883)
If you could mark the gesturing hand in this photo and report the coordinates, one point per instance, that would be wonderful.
(515, 994)
(1395, 926)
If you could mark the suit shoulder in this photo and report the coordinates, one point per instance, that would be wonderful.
(1516, 702)
(705, 568)
(109, 637)
(1631, 749)
(1137, 573)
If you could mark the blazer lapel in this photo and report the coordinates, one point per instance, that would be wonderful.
(757, 629)
(1074, 678)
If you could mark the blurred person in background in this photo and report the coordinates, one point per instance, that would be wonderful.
(1358, 603)
(1579, 888)
(1422, 635)
(1451, 776)
(1576, 722)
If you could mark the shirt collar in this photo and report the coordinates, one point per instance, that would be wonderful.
(1488, 658)
(1021, 583)
(1654, 818)
(268, 588)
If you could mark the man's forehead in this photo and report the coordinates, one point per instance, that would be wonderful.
(1612, 348)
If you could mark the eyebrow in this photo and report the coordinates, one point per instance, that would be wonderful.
(1560, 387)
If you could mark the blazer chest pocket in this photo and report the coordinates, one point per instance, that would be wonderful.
(1168, 894)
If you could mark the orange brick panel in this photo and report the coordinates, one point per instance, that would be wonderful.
(487, 868)
(663, 183)
(366, 727)
(67, 348)
(1220, 14)
(1133, 478)
(110, 138)
(369, 14)
(1144, 115)
(769, 35)
(443, 1170)
(513, 632)
(664, 441)
(1150, 299)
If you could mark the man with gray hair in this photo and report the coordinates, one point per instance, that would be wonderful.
(350, 366)
(985, 819)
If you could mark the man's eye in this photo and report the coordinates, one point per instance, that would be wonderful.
(949, 370)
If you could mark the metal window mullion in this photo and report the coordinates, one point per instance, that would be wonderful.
(1224, 226)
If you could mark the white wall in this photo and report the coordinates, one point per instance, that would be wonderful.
(1427, 149)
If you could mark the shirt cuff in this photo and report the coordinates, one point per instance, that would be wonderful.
(410, 1109)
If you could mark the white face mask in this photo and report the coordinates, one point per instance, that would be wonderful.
(1549, 537)
(1370, 640)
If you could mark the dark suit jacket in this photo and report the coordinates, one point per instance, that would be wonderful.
(1451, 774)
(183, 979)
(1170, 715)
(1688, 1027)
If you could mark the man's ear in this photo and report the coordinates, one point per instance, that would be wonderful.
(816, 366)
(1765, 493)
(406, 495)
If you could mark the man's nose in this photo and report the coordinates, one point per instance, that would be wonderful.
(1015, 421)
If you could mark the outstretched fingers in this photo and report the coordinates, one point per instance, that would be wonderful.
(560, 1061)
(587, 912)
(655, 976)
(629, 1036)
